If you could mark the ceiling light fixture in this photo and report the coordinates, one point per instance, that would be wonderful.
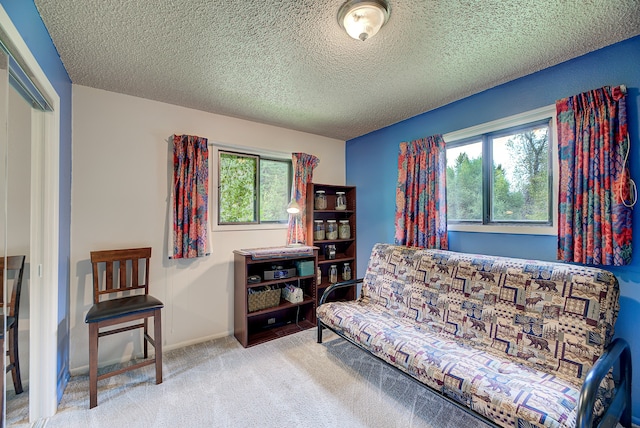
(362, 19)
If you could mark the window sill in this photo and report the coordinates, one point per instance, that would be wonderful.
(247, 227)
(514, 230)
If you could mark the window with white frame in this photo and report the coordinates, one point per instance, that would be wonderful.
(501, 175)
(252, 189)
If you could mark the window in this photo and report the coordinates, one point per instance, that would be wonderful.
(252, 189)
(502, 175)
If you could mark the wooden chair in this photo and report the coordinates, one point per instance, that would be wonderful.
(120, 282)
(16, 264)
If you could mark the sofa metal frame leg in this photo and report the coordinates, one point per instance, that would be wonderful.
(319, 331)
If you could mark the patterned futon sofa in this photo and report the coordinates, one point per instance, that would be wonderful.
(516, 341)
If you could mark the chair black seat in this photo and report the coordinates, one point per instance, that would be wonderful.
(115, 308)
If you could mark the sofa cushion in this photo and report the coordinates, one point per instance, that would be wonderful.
(569, 315)
(503, 390)
(387, 282)
(552, 316)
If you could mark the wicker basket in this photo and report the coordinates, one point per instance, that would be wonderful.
(264, 299)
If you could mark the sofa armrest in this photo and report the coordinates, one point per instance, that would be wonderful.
(325, 295)
(336, 286)
(616, 356)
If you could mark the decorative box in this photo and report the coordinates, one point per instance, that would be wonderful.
(292, 293)
(305, 267)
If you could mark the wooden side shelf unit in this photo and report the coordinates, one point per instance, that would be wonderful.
(252, 328)
(345, 248)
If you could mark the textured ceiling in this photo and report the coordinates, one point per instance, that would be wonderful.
(288, 63)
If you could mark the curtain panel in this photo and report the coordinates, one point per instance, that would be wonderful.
(594, 224)
(303, 165)
(421, 198)
(190, 197)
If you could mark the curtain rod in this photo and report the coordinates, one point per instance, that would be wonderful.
(248, 149)
(240, 148)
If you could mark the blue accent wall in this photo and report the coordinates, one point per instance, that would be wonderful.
(372, 166)
(25, 17)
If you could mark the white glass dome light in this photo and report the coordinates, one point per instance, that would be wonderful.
(362, 19)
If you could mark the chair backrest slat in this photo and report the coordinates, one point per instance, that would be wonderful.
(135, 273)
(108, 285)
(118, 260)
(122, 265)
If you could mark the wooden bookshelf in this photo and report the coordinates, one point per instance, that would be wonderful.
(345, 248)
(262, 325)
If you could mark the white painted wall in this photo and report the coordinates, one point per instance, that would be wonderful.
(121, 160)
(18, 213)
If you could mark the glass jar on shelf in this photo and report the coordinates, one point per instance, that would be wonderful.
(333, 274)
(341, 201)
(346, 272)
(330, 252)
(344, 230)
(318, 230)
(332, 229)
(320, 200)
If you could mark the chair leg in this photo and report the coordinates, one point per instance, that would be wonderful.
(145, 342)
(93, 365)
(157, 338)
(14, 361)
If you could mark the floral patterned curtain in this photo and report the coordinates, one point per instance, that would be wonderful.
(303, 165)
(594, 220)
(421, 202)
(190, 197)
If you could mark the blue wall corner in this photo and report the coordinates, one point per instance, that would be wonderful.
(27, 20)
(372, 165)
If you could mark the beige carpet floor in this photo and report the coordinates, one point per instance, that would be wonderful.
(288, 382)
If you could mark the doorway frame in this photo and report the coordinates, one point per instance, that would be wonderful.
(44, 240)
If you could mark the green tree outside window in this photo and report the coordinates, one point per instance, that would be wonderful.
(519, 186)
(252, 189)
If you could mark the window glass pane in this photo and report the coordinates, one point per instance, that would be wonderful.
(520, 176)
(274, 190)
(237, 194)
(464, 182)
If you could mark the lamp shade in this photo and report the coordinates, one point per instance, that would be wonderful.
(293, 207)
(362, 19)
